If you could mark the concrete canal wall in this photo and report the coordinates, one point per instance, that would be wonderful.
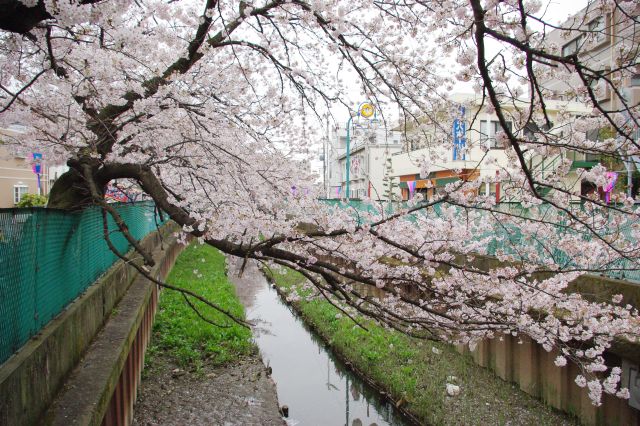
(524, 362)
(521, 360)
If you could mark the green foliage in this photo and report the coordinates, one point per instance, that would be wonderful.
(32, 200)
(417, 371)
(180, 333)
(607, 132)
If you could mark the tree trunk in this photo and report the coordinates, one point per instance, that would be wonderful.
(18, 18)
(70, 192)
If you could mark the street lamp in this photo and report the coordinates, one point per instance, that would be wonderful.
(366, 110)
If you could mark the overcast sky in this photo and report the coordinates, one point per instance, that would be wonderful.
(560, 10)
(557, 12)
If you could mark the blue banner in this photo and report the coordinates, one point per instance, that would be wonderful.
(459, 136)
(37, 163)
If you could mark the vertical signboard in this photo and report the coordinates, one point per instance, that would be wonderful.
(37, 168)
(459, 135)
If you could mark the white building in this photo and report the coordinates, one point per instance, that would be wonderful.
(370, 148)
(484, 156)
(606, 41)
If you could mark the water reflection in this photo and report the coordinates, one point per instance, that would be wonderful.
(317, 388)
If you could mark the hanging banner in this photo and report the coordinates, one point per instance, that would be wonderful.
(356, 162)
(459, 135)
(612, 177)
(37, 168)
(411, 184)
(37, 163)
(115, 194)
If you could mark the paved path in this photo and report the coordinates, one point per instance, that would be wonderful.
(240, 394)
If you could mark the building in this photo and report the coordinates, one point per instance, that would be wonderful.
(17, 173)
(17, 179)
(370, 149)
(17, 176)
(469, 153)
(607, 41)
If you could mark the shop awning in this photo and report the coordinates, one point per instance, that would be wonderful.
(443, 181)
(437, 182)
(419, 184)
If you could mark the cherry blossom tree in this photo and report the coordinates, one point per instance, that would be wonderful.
(206, 104)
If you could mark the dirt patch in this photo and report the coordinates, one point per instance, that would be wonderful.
(238, 394)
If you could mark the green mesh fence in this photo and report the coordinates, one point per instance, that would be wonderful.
(505, 238)
(49, 257)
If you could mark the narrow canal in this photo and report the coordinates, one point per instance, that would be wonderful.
(317, 388)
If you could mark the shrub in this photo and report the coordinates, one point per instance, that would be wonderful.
(32, 200)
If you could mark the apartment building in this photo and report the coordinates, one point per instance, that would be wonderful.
(18, 171)
(608, 43)
(463, 147)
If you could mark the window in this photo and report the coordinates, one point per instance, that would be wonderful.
(491, 189)
(18, 192)
(596, 28)
(532, 130)
(572, 47)
(593, 135)
(356, 193)
(413, 145)
(635, 80)
(488, 131)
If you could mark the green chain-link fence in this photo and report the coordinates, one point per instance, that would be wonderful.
(49, 257)
(504, 238)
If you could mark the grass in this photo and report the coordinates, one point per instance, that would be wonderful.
(178, 332)
(410, 370)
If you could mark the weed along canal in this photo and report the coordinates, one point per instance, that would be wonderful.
(317, 388)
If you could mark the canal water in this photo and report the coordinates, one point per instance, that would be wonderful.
(318, 389)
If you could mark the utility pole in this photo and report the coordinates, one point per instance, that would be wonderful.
(325, 156)
(366, 110)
